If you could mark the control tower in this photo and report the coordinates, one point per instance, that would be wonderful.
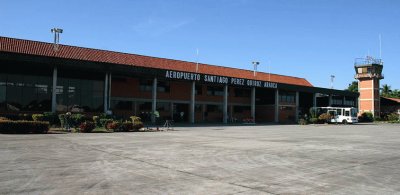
(369, 73)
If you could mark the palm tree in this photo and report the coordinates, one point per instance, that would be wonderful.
(385, 90)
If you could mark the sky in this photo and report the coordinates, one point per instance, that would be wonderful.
(311, 39)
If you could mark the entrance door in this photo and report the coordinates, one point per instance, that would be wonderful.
(180, 112)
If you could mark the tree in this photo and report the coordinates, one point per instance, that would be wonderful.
(386, 91)
(396, 93)
(353, 87)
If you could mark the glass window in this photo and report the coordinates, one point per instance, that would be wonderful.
(3, 79)
(214, 108)
(198, 108)
(347, 113)
(144, 106)
(198, 90)
(163, 86)
(242, 92)
(287, 97)
(3, 104)
(79, 95)
(215, 91)
(353, 112)
(122, 105)
(241, 109)
(163, 106)
(145, 85)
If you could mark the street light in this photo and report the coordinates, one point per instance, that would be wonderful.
(332, 79)
(255, 67)
(56, 32)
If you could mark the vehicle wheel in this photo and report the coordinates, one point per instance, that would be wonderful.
(344, 122)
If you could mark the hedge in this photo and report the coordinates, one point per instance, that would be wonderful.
(38, 117)
(104, 122)
(8, 126)
(86, 127)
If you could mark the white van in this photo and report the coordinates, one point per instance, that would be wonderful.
(339, 114)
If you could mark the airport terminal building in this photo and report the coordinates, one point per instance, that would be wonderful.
(37, 77)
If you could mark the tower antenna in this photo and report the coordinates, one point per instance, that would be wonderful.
(332, 79)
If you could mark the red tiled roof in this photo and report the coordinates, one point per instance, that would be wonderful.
(29, 47)
(393, 99)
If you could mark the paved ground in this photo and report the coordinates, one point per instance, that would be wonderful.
(274, 159)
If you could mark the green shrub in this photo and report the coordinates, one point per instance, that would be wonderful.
(38, 117)
(86, 127)
(366, 117)
(61, 118)
(314, 120)
(8, 126)
(126, 126)
(12, 117)
(325, 117)
(137, 123)
(114, 125)
(24, 117)
(138, 126)
(303, 122)
(106, 116)
(393, 117)
(76, 119)
(96, 120)
(52, 118)
(313, 112)
(104, 122)
(135, 119)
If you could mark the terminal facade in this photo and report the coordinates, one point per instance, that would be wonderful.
(36, 78)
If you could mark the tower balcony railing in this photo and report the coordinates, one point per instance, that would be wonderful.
(366, 61)
(369, 75)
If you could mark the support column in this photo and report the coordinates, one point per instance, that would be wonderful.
(253, 103)
(297, 106)
(344, 101)
(109, 92)
(314, 100)
(172, 110)
(204, 110)
(154, 100)
(277, 105)
(53, 93)
(330, 100)
(192, 102)
(231, 112)
(225, 105)
(357, 103)
(106, 93)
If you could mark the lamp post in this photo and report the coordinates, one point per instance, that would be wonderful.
(255, 67)
(56, 32)
(332, 79)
